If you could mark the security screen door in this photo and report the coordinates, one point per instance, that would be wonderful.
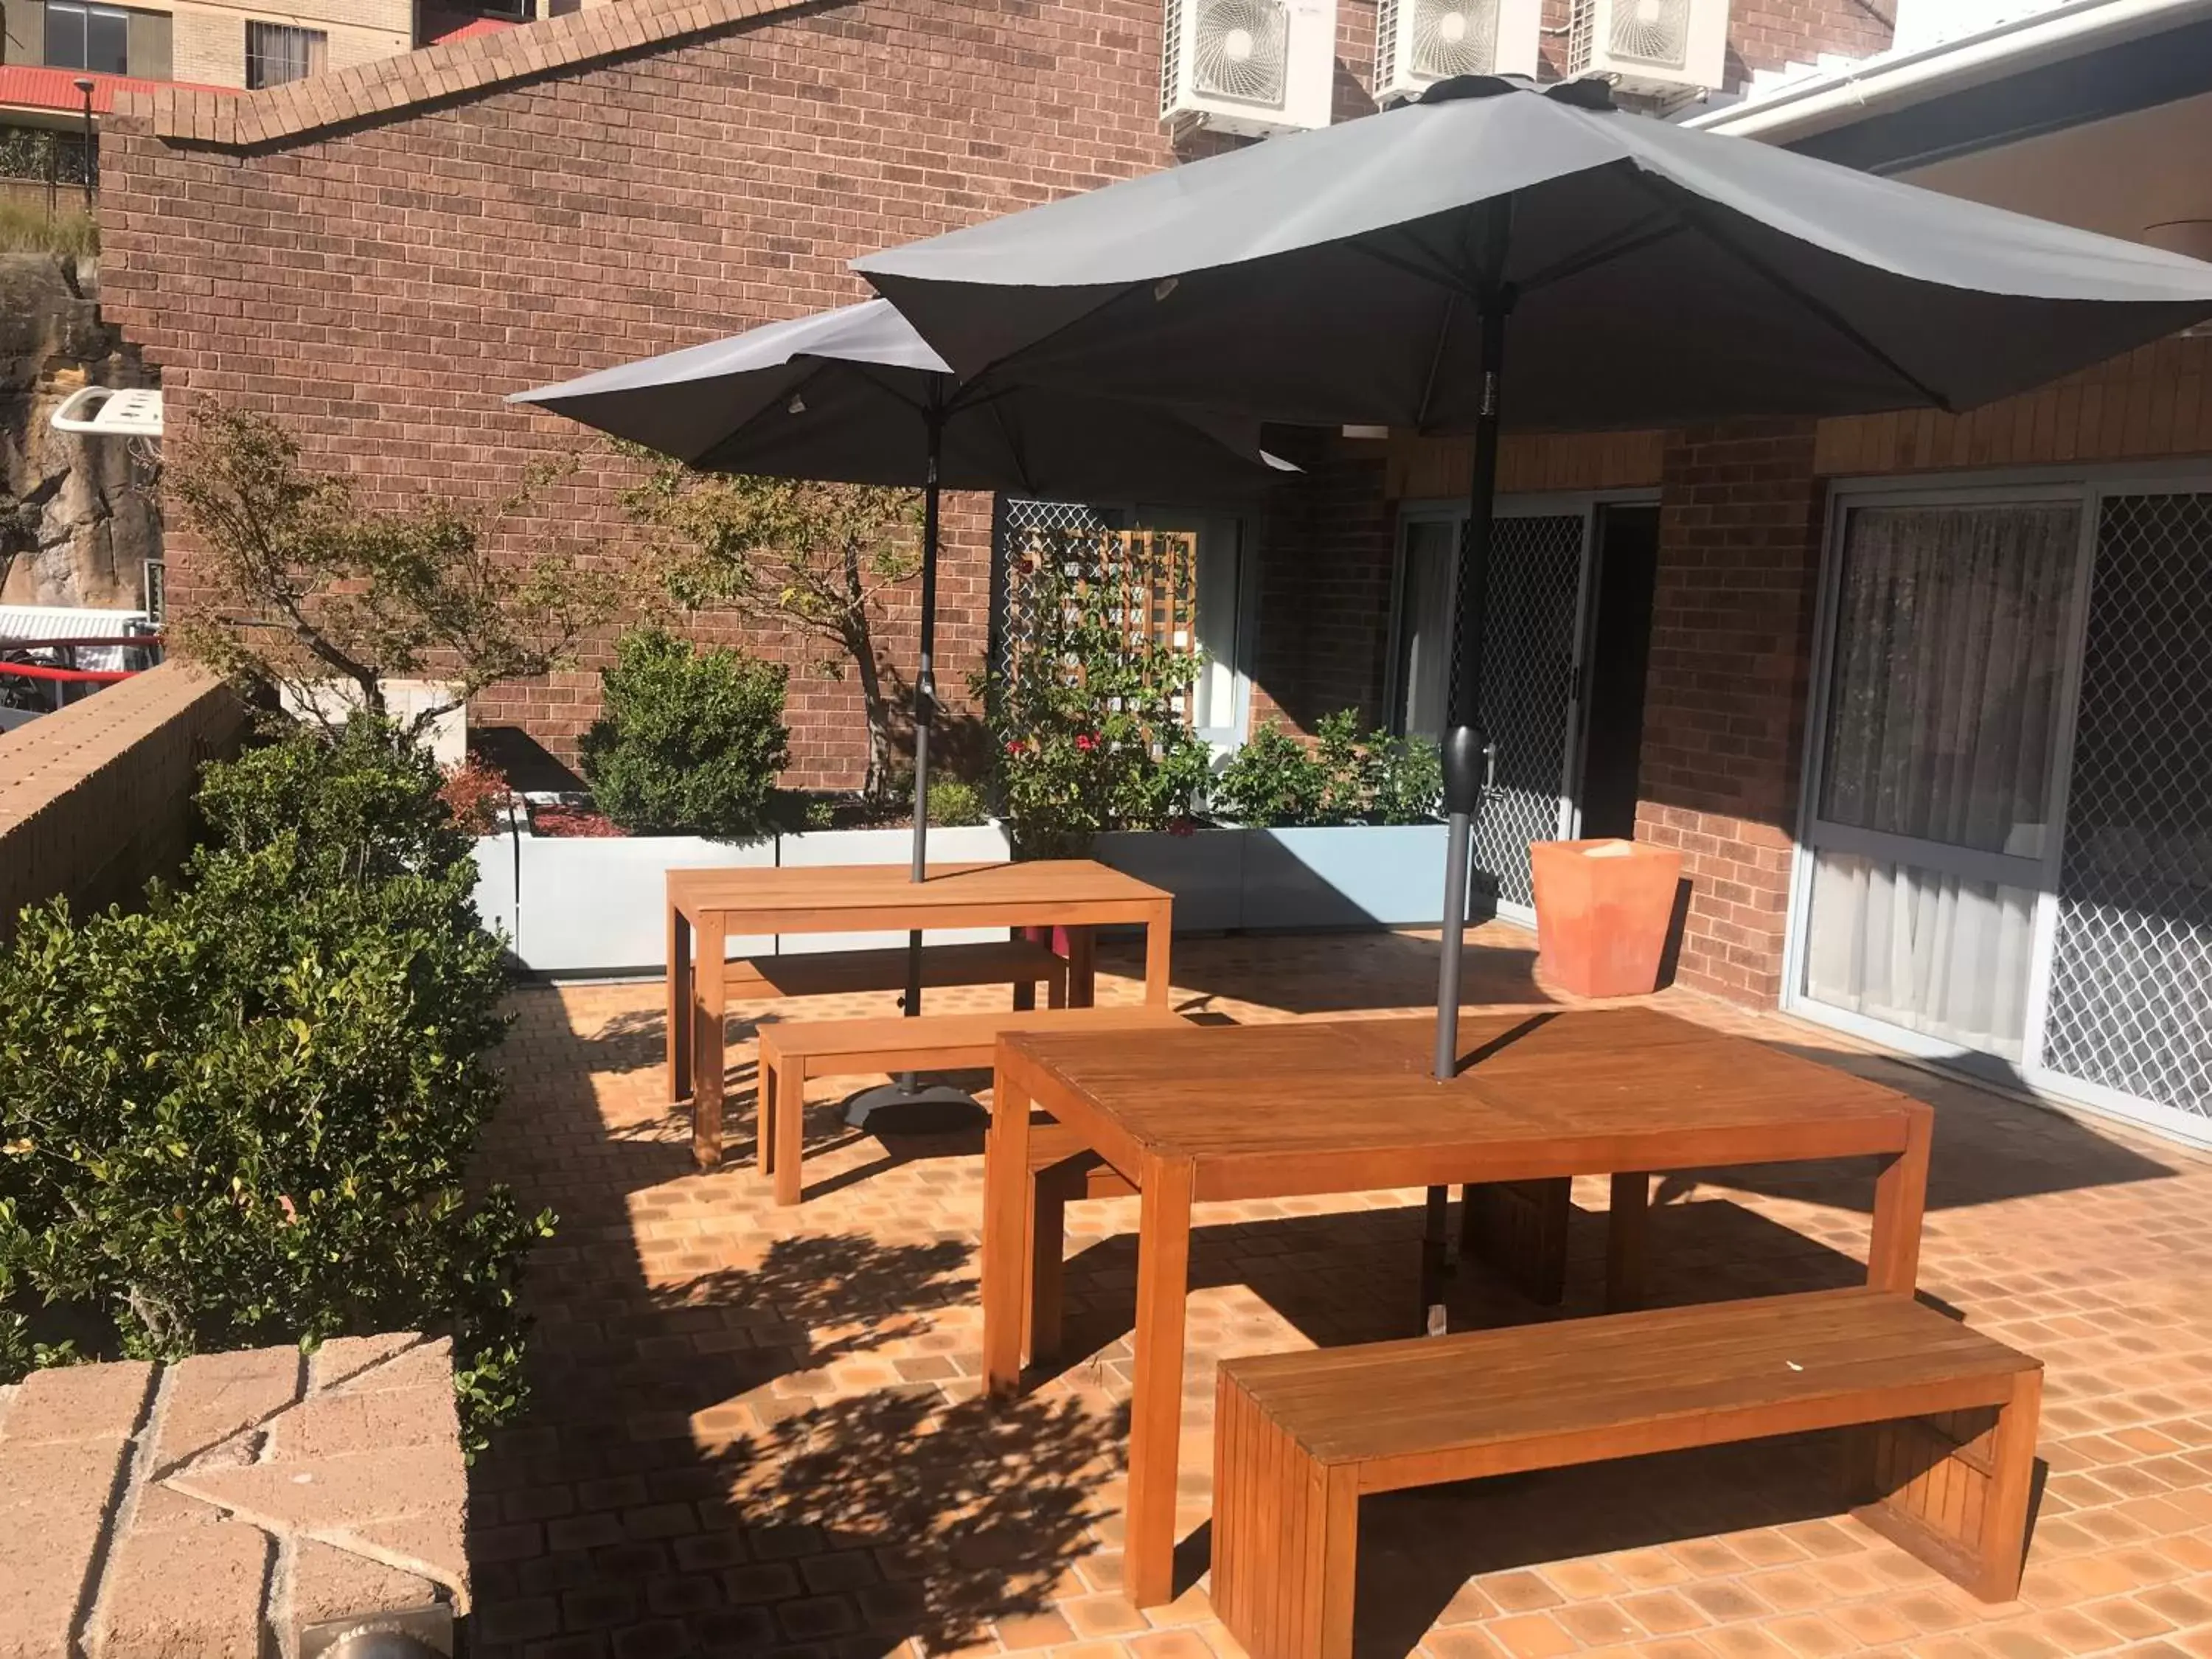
(2128, 1020)
(1531, 644)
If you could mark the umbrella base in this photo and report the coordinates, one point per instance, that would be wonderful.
(915, 1108)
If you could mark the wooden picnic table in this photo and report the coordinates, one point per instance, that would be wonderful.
(1314, 1107)
(711, 906)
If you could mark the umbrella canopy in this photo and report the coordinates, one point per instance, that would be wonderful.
(1648, 275)
(855, 395)
(846, 395)
(1656, 275)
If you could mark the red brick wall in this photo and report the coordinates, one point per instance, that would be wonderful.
(1724, 711)
(380, 283)
(1323, 616)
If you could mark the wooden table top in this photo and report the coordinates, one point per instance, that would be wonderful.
(831, 887)
(1335, 1105)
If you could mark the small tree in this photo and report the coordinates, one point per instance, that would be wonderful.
(308, 586)
(810, 559)
(690, 741)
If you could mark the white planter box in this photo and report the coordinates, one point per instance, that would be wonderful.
(1205, 870)
(599, 905)
(983, 843)
(596, 905)
(1360, 875)
(1262, 880)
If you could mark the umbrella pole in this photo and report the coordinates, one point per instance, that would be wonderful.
(946, 1104)
(925, 693)
(1467, 752)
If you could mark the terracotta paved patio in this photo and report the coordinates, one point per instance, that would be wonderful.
(758, 1431)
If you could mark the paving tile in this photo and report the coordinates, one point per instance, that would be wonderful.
(79, 1402)
(328, 1582)
(211, 1397)
(183, 1591)
(54, 1499)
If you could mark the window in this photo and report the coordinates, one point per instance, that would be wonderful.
(278, 52)
(96, 38)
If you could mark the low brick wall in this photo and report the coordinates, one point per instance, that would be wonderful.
(222, 1505)
(96, 796)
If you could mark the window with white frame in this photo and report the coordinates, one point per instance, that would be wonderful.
(279, 52)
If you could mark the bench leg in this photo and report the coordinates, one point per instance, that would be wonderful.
(1048, 1196)
(1627, 1235)
(1955, 1490)
(790, 1130)
(1520, 1228)
(1285, 1536)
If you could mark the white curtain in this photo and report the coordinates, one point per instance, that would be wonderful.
(1950, 635)
(1425, 622)
(1950, 627)
(1933, 953)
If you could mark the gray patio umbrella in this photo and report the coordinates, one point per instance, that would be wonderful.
(855, 395)
(1649, 275)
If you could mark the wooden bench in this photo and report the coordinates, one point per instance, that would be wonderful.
(791, 1051)
(1942, 1463)
(1021, 964)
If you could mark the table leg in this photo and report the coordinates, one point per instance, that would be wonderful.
(1159, 932)
(709, 986)
(1082, 967)
(1006, 1224)
(679, 1007)
(1900, 1198)
(1049, 1191)
(1025, 990)
(1628, 1234)
(1156, 1387)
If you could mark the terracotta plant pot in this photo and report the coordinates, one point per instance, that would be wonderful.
(1603, 911)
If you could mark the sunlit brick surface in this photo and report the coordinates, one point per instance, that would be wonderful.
(758, 1430)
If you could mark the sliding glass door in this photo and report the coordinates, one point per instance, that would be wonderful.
(2006, 853)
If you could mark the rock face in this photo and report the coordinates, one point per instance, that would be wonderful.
(78, 516)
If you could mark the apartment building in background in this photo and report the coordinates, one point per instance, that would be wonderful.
(46, 46)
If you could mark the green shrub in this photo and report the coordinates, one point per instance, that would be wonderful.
(1275, 781)
(692, 741)
(245, 1114)
(955, 804)
(1406, 780)
(1088, 722)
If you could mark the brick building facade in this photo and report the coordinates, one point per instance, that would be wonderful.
(379, 255)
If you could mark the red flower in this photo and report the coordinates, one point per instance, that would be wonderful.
(1085, 741)
(1014, 746)
(1183, 826)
